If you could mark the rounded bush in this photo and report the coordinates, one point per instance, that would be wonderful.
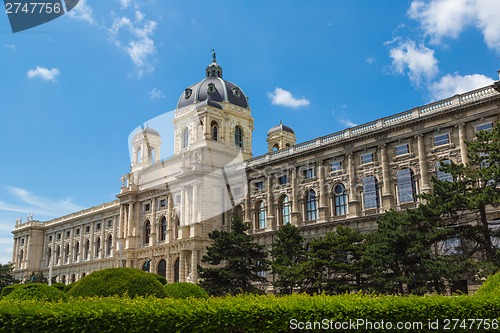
(184, 290)
(59, 286)
(490, 286)
(7, 290)
(36, 291)
(160, 278)
(118, 282)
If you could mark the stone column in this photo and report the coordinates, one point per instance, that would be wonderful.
(182, 266)
(194, 266)
(91, 246)
(322, 210)
(120, 222)
(387, 199)
(71, 246)
(463, 146)
(82, 245)
(422, 160)
(271, 221)
(104, 241)
(154, 224)
(295, 215)
(353, 199)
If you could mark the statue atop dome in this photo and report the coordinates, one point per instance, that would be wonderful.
(214, 57)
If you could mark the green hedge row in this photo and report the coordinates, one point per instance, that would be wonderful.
(249, 313)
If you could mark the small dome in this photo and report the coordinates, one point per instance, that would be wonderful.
(280, 127)
(147, 130)
(213, 87)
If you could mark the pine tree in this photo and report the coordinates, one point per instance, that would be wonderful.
(288, 255)
(335, 262)
(239, 259)
(463, 203)
(6, 276)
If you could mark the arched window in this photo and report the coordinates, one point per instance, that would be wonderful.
(261, 215)
(86, 250)
(66, 253)
(339, 200)
(285, 208)
(311, 206)
(152, 155)
(185, 138)
(21, 257)
(238, 212)
(276, 147)
(77, 251)
(147, 232)
(139, 155)
(109, 245)
(214, 129)
(58, 254)
(163, 229)
(407, 187)
(97, 247)
(442, 175)
(371, 197)
(49, 256)
(162, 268)
(238, 137)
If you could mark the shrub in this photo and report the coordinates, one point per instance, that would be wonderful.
(7, 290)
(490, 286)
(184, 290)
(68, 287)
(160, 278)
(120, 282)
(36, 292)
(59, 286)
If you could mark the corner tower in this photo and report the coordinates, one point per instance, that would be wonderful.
(280, 137)
(214, 113)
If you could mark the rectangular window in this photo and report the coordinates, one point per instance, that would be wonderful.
(406, 186)
(441, 175)
(308, 173)
(67, 234)
(147, 207)
(450, 246)
(22, 241)
(402, 149)
(484, 127)
(77, 231)
(98, 226)
(87, 229)
(58, 236)
(441, 139)
(336, 165)
(50, 238)
(283, 180)
(259, 185)
(163, 203)
(110, 224)
(370, 193)
(366, 158)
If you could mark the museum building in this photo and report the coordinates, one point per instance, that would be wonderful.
(166, 209)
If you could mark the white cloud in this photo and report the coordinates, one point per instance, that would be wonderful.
(370, 60)
(10, 46)
(450, 85)
(44, 73)
(82, 12)
(140, 46)
(417, 60)
(285, 98)
(347, 123)
(156, 94)
(125, 3)
(26, 202)
(448, 18)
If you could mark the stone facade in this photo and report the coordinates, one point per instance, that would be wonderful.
(166, 209)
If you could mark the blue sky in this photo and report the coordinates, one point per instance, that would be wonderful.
(72, 90)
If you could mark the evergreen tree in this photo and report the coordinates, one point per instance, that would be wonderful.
(6, 276)
(335, 262)
(402, 255)
(289, 255)
(239, 259)
(463, 203)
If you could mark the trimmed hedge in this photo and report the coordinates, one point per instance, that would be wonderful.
(184, 290)
(36, 292)
(244, 313)
(160, 278)
(7, 290)
(118, 281)
(490, 286)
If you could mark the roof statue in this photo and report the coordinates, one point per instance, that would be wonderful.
(213, 55)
